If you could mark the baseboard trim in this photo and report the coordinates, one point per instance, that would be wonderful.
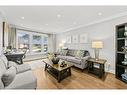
(111, 71)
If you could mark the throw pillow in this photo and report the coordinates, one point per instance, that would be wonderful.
(3, 57)
(9, 76)
(64, 52)
(80, 54)
(70, 53)
(2, 70)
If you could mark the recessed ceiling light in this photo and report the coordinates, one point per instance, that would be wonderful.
(22, 17)
(59, 15)
(46, 24)
(99, 14)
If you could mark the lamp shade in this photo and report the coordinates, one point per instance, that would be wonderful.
(61, 45)
(97, 44)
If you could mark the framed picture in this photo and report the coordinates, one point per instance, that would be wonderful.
(83, 38)
(75, 38)
(68, 39)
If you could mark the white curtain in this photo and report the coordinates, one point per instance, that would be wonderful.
(52, 43)
(12, 37)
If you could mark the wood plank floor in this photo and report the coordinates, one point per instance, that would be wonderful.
(78, 80)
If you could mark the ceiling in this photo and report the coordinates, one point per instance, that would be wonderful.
(57, 19)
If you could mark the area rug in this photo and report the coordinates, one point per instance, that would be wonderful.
(36, 64)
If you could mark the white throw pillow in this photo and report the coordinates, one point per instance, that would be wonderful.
(4, 58)
(9, 76)
(2, 70)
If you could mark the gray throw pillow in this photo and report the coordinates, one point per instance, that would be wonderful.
(9, 76)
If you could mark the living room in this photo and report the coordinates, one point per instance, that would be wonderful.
(58, 47)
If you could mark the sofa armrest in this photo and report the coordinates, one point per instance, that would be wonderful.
(83, 59)
(25, 80)
(20, 68)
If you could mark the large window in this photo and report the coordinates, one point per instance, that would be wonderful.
(34, 42)
(23, 41)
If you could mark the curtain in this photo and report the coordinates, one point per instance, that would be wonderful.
(52, 43)
(12, 37)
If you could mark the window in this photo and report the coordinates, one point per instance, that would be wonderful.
(36, 43)
(45, 44)
(23, 41)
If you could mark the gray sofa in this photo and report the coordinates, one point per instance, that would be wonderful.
(76, 57)
(22, 79)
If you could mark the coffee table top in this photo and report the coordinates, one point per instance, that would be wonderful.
(57, 66)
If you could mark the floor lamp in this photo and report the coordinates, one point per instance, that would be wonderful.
(97, 45)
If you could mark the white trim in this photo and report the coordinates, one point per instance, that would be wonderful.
(112, 71)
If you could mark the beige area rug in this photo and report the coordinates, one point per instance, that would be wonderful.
(36, 64)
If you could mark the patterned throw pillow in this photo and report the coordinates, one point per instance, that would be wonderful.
(51, 56)
(80, 54)
(64, 52)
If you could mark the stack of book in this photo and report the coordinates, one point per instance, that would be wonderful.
(124, 76)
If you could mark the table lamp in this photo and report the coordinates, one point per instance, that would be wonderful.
(61, 46)
(97, 45)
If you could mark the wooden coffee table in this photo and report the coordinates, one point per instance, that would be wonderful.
(56, 71)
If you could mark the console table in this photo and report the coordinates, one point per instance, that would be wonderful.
(97, 71)
(16, 57)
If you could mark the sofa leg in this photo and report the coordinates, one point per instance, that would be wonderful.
(82, 70)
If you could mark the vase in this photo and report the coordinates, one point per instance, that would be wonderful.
(55, 60)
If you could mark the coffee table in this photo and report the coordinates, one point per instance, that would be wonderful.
(56, 71)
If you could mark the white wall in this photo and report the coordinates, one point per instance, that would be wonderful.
(104, 31)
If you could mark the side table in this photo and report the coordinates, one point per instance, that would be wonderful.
(97, 71)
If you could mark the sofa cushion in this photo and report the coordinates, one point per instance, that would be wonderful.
(2, 68)
(73, 60)
(71, 52)
(63, 52)
(20, 68)
(9, 76)
(4, 59)
(1, 84)
(62, 57)
(25, 80)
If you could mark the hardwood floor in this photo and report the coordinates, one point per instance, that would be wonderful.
(78, 80)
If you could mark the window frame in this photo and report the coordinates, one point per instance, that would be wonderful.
(30, 41)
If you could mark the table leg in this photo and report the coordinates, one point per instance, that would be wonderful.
(59, 76)
(21, 61)
(45, 66)
(101, 70)
(90, 66)
(69, 71)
